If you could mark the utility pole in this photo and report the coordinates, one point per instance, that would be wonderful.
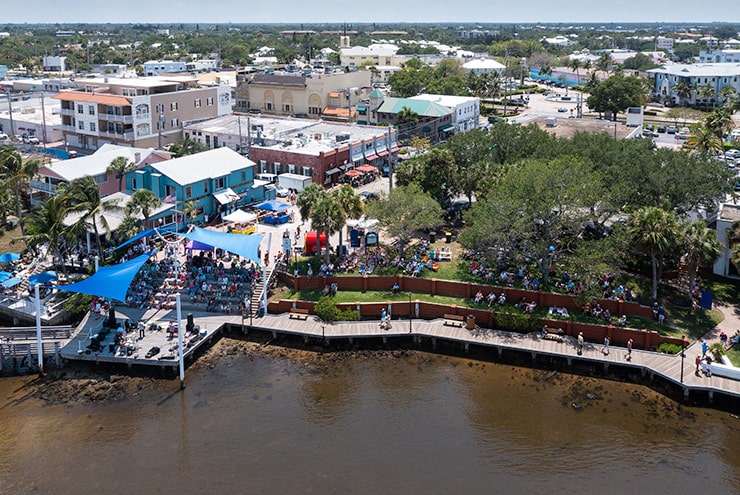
(249, 138)
(161, 125)
(43, 120)
(390, 164)
(10, 114)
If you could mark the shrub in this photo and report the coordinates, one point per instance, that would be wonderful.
(349, 315)
(668, 348)
(78, 304)
(326, 309)
(717, 350)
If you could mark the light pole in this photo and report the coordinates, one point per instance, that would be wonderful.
(411, 312)
(159, 135)
(683, 354)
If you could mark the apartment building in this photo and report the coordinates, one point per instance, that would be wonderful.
(139, 112)
(465, 109)
(715, 76)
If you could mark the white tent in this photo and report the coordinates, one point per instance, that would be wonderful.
(240, 216)
(363, 223)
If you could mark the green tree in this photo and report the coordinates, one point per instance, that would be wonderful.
(728, 95)
(15, 172)
(719, 122)
(187, 147)
(703, 140)
(120, 166)
(349, 202)
(143, 202)
(189, 210)
(655, 232)
(700, 247)
(683, 90)
(45, 225)
(706, 92)
(616, 94)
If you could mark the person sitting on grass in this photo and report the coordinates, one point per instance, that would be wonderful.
(491, 298)
(478, 297)
(622, 321)
(395, 289)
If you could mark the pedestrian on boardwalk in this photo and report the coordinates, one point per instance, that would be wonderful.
(606, 346)
(698, 363)
(704, 348)
(383, 318)
(629, 350)
(580, 343)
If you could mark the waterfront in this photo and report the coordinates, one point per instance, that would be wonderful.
(282, 421)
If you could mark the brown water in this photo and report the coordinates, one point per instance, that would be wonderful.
(428, 425)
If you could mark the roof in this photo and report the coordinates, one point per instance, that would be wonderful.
(279, 80)
(483, 63)
(205, 165)
(376, 94)
(94, 164)
(699, 70)
(729, 212)
(337, 112)
(420, 107)
(447, 100)
(114, 217)
(92, 98)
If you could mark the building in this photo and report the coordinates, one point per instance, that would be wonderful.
(217, 181)
(483, 66)
(94, 165)
(559, 40)
(161, 67)
(355, 56)
(33, 119)
(431, 120)
(321, 150)
(3, 72)
(716, 76)
(724, 56)
(140, 112)
(664, 43)
(299, 94)
(465, 109)
(729, 214)
(55, 64)
(202, 65)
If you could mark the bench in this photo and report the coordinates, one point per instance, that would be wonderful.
(299, 313)
(454, 320)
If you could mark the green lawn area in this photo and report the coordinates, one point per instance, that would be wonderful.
(6, 236)
(724, 289)
(734, 355)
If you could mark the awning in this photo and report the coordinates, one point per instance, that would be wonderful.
(240, 216)
(260, 183)
(367, 168)
(346, 166)
(447, 128)
(361, 108)
(371, 157)
(332, 171)
(197, 245)
(226, 196)
(42, 278)
(383, 153)
(243, 245)
(354, 173)
(145, 234)
(426, 128)
(395, 149)
(272, 205)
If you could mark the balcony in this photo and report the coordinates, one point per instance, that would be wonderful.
(69, 128)
(68, 111)
(126, 136)
(38, 185)
(110, 117)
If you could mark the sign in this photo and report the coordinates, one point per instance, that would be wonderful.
(371, 239)
(706, 299)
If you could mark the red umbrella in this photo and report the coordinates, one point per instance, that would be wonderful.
(354, 173)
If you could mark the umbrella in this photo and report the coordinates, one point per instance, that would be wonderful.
(42, 278)
(8, 257)
(5, 276)
(367, 168)
(354, 173)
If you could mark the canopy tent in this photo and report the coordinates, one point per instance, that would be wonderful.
(362, 223)
(11, 282)
(145, 233)
(354, 173)
(240, 216)
(42, 278)
(198, 245)
(5, 276)
(272, 205)
(245, 246)
(367, 168)
(110, 281)
(8, 257)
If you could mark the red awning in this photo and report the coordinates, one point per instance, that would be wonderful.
(371, 158)
(383, 153)
(354, 173)
(366, 168)
(395, 149)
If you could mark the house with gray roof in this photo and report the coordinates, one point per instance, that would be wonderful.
(714, 75)
(428, 119)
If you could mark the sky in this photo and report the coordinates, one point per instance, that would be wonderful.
(382, 11)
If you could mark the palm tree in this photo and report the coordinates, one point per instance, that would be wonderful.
(83, 196)
(719, 122)
(45, 225)
(327, 216)
(575, 64)
(700, 247)
(706, 92)
(407, 118)
(7, 204)
(349, 202)
(308, 198)
(15, 173)
(128, 228)
(120, 166)
(143, 201)
(703, 140)
(683, 90)
(189, 210)
(655, 232)
(604, 62)
(728, 95)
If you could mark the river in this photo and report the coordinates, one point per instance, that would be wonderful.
(401, 423)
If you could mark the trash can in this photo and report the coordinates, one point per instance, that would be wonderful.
(470, 322)
(432, 236)
(448, 237)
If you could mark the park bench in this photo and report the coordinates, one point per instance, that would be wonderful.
(454, 320)
(299, 313)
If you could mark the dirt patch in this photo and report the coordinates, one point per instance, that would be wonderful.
(82, 386)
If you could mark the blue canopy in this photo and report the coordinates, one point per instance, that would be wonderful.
(42, 278)
(272, 205)
(244, 245)
(110, 281)
(8, 257)
(5, 276)
(11, 282)
(143, 234)
(193, 245)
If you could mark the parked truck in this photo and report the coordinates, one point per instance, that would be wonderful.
(294, 181)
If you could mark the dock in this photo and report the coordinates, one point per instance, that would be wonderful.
(424, 334)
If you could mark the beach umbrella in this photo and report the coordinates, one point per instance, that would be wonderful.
(8, 257)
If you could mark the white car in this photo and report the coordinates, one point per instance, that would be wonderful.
(31, 140)
(3, 136)
(282, 192)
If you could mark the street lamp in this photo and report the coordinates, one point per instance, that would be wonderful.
(683, 354)
(411, 312)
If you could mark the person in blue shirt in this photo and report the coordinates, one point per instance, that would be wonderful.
(704, 348)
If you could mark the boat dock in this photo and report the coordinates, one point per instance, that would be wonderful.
(432, 335)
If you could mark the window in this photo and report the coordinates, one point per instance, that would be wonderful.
(196, 103)
(133, 183)
(307, 171)
(286, 107)
(93, 127)
(209, 101)
(220, 183)
(291, 169)
(268, 105)
(128, 92)
(173, 106)
(215, 141)
(244, 176)
(80, 108)
(208, 141)
(188, 192)
(175, 123)
(91, 109)
(81, 125)
(314, 110)
(205, 186)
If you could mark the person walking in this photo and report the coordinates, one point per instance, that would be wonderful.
(698, 363)
(606, 346)
(629, 350)
(704, 348)
(580, 343)
(383, 318)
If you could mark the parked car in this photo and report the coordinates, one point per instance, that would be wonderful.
(672, 129)
(650, 127)
(681, 136)
(732, 153)
(31, 140)
(282, 192)
(3, 136)
(368, 196)
(661, 129)
(562, 109)
(685, 130)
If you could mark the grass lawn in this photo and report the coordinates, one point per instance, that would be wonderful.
(724, 289)
(734, 355)
(6, 236)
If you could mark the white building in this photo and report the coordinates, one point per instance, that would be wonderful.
(355, 56)
(559, 40)
(728, 215)
(159, 67)
(483, 66)
(725, 56)
(716, 76)
(55, 64)
(663, 43)
(466, 109)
